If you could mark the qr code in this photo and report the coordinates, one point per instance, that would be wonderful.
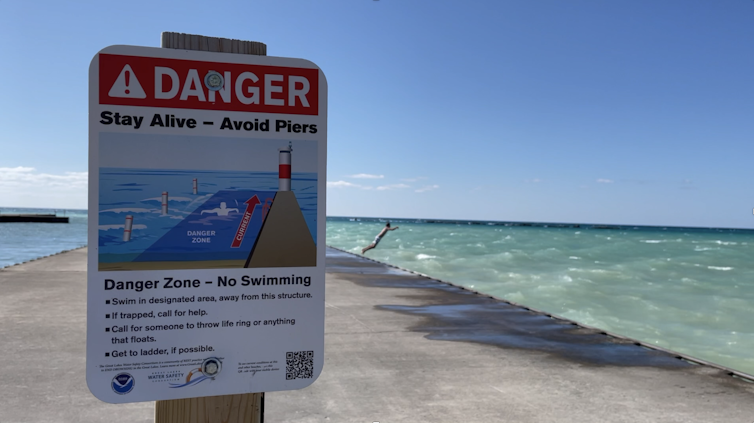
(299, 365)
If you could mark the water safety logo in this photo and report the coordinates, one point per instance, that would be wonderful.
(123, 383)
(210, 368)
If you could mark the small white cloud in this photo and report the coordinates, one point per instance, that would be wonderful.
(366, 176)
(27, 177)
(345, 184)
(26, 187)
(428, 188)
(340, 184)
(605, 181)
(18, 169)
(393, 186)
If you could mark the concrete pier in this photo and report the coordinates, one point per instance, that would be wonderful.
(399, 348)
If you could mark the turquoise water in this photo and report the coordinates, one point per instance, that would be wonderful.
(684, 289)
(20, 242)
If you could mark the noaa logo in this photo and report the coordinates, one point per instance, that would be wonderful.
(123, 383)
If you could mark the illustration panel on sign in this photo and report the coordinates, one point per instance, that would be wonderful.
(187, 205)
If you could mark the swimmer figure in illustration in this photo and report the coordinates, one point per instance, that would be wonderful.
(223, 210)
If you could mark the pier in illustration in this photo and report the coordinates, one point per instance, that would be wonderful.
(284, 239)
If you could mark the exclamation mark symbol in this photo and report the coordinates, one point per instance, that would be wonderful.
(128, 80)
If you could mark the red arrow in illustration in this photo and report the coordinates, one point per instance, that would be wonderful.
(251, 203)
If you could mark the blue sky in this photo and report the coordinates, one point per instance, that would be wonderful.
(599, 111)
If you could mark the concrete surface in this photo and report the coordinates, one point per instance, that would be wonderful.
(43, 345)
(399, 348)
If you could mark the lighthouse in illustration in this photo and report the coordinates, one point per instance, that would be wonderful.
(284, 239)
(284, 168)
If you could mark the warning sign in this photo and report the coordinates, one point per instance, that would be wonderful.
(207, 209)
(172, 83)
(126, 85)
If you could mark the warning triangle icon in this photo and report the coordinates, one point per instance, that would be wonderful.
(127, 86)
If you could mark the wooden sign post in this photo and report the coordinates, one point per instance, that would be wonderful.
(241, 408)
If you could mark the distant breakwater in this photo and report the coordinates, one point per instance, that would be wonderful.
(540, 224)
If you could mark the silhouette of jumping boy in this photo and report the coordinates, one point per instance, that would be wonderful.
(378, 238)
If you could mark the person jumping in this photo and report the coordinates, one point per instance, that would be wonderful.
(378, 238)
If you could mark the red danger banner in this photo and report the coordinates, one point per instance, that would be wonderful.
(180, 84)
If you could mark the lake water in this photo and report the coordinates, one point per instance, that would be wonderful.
(688, 290)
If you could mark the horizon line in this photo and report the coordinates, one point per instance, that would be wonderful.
(485, 222)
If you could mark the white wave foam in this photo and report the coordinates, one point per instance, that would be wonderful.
(425, 257)
(502, 241)
(179, 199)
(158, 211)
(724, 269)
(574, 258)
(201, 198)
(108, 227)
(127, 210)
(171, 216)
(725, 242)
(704, 249)
(652, 241)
